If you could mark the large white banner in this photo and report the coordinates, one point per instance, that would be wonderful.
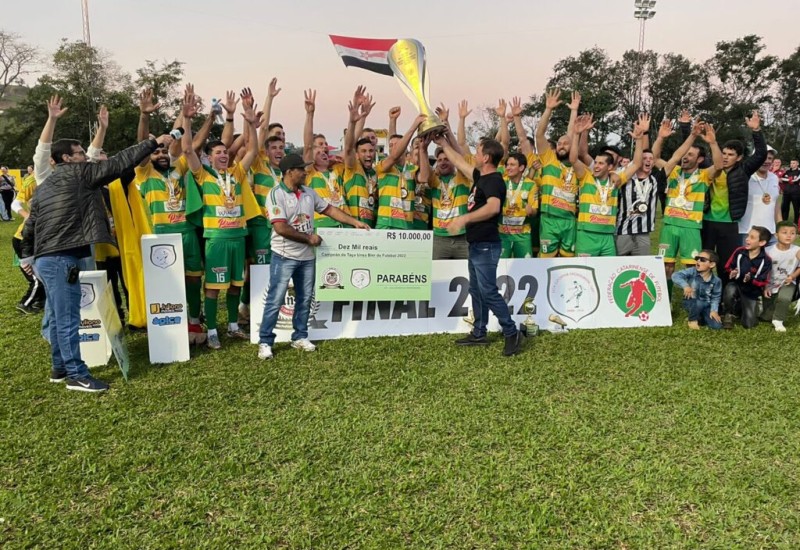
(583, 292)
(94, 343)
(165, 292)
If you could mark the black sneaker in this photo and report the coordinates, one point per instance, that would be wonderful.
(56, 377)
(472, 340)
(27, 310)
(87, 384)
(512, 344)
(727, 321)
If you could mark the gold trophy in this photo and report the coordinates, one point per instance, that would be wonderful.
(529, 326)
(407, 61)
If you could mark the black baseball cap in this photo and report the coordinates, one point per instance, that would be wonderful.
(292, 160)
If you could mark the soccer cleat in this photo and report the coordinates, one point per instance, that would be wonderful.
(512, 344)
(27, 310)
(553, 318)
(472, 340)
(56, 377)
(87, 384)
(264, 351)
(213, 341)
(196, 334)
(303, 344)
(238, 334)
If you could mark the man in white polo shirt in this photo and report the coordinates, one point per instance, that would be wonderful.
(290, 207)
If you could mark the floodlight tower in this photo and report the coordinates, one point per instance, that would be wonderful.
(643, 10)
(87, 38)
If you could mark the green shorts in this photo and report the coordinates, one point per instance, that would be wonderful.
(556, 234)
(679, 242)
(590, 243)
(192, 255)
(516, 246)
(224, 263)
(258, 244)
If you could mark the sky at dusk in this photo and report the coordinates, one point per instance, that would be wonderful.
(476, 50)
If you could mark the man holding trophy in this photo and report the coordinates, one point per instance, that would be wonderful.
(407, 61)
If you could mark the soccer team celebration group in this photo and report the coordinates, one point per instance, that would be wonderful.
(242, 199)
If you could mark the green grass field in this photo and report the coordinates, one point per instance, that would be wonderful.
(638, 438)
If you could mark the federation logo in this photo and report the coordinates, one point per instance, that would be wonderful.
(360, 278)
(635, 292)
(87, 295)
(331, 279)
(163, 255)
(572, 291)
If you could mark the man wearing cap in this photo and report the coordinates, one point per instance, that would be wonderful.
(291, 206)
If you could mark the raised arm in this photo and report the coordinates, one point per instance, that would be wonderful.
(670, 165)
(96, 147)
(230, 103)
(444, 115)
(41, 158)
(394, 114)
(463, 112)
(366, 108)
(552, 99)
(752, 163)
(188, 111)
(249, 116)
(516, 111)
(350, 140)
(201, 137)
(399, 151)
(664, 131)
(505, 136)
(716, 153)
(310, 100)
(582, 124)
(638, 135)
(146, 108)
(424, 173)
(263, 128)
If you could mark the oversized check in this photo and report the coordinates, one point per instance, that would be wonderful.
(358, 265)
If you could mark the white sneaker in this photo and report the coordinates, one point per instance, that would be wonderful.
(779, 326)
(264, 351)
(303, 344)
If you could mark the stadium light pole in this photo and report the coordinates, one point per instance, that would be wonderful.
(643, 10)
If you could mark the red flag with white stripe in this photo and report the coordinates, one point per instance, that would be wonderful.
(364, 53)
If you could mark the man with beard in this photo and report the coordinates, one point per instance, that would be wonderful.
(763, 204)
(558, 185)
(599, 191)
(163, 191)
(728, 194)
(687, 185)
(449, 191)
(221, 201)
(360, 179)
(326, 180)
(395, 195)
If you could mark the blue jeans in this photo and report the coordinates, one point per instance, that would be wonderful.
(482, 262)
(301, 272)
(64, 307)
(84, 264)
(700, 311)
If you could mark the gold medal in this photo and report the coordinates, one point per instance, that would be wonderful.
(172, 203)
(680, 202)
(766, 199)
(230, 202)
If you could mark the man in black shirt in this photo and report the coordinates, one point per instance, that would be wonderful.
(486, 198)
(790, 181)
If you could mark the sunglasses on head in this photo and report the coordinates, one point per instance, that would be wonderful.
(701, 259)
